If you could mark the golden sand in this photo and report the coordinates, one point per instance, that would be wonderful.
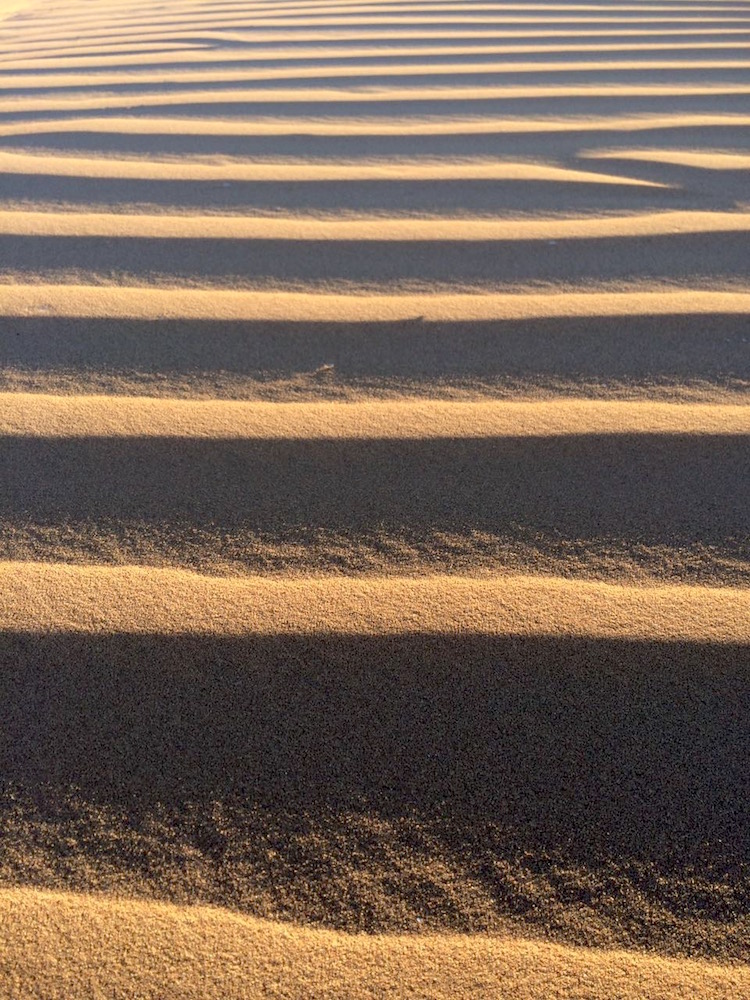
(325, 98)
(374, 408)
(44, 598)
(71, 166)
(330, 126)
(679, 157)
(155, 952)
(10, 7)
(37, 415)
(133, 56)
(195, 303)
(51, 81)
(164, 226)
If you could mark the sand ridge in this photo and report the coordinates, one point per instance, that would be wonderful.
(110, 167)
(344, 126)
(455, 71)
(324, 98)
(73, 300)
(328, 56)
(703, 161)
(9, 8)
(35, 415)
(374, 577)
(163, 226)
(44, 598)
(149, 950)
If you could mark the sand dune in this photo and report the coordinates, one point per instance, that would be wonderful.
(62, 83)
(42, 598)
(10, 7)
(122, 56)
(417, 37)
(145, 950)
(310, 126)
(374, 571)
(34, 415)
(636, 746)
(222, 227)
(324, 98)
(263, 28)
(69, 166)
(608, 506)
(678, 357)
(134, 50)
(194, 303)
(682, 158)
(86, 41)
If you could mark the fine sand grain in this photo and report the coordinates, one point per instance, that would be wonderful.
(156, 952)
(42, 598)
(374, 478)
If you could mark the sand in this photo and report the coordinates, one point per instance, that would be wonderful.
(374, 476)
(34, 415)
(223, 227)
(145, 600)
(121, 302)
(166, 953)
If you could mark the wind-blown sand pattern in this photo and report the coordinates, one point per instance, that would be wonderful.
(374, 499)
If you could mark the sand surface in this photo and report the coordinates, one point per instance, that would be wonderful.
(374, 499)
(158, 952)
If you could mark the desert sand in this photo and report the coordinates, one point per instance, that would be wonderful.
(374, 499)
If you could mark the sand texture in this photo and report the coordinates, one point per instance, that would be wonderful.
(375, 499)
